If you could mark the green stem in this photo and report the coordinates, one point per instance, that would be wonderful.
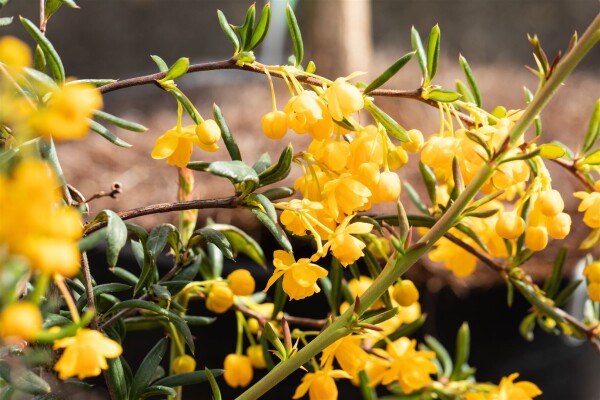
(398, 265)
(39, 290)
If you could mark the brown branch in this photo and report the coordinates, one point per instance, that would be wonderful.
(570, 166)
(587, 331)
(115, 189)
(306, 322)
(225, 202)
(259, 69)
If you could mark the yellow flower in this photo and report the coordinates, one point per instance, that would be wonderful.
(308, 113)
(311, 185)
(345, 247)
(409, 367)
(177, 145)
(299, 216)
(368, 146)
(558, 225)
(343, 99)
(345, 194)
(590, 204)
(455, 258)
(208, 132)
(256, 356)
(331, 152)
(238, 370)
(348, 353)
(510, 390)
(184, 364)
(320, 385)
(85, 354)
(438, 153)
(415, 142)
(33, 224)
(549, 202)
(388, 188)
(405, 293)
(241, 282)
(536, 238)
(67, 113)
(21, 320)
(14, 52)
(274, 124)
(220, 298)
(510, 225)
(299, 277)
(592, 273)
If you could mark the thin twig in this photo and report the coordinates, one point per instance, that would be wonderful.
(225, 202)
(307, 322)
(570, 166)
(115, 189)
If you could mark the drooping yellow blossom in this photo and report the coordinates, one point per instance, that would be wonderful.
(320, 385)
(238, 370)
(409, 367)
(220, 298)
(299, 277)
(590, 206)
(438, 153)
(256, 356)
(415, 142)
(241, 282)
(343, 99)
(508, 389)
(388, 188)
(184, 364)
(458, 260)
(348, 353)
(177, 145)
(332, 153)
(85, 354)
(66, 114)
(14, 52)
(20, 320)
(510, 225)
(302, 216)
(307, 113)
(208, 132)
(311, 184)
(367, 146)
(345, 247)
(274, 124)
(536, 238)
(32, 223)
(345, 195)
(592, 273)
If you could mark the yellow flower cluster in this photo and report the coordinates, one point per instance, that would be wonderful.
(592, 273)
(177, 144)
(34, 225)
(508, 389)
(221, 294)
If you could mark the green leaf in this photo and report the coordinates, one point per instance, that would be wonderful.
(415, 198)
(156, 390)
(441, 354)
(160, 63)
(147, 369)
(178, 69)
(527, 326)
(41, 80)
(551, 285)
(116, 235)
(28, 382)
(190, 378)
(262, 27)
(564, 294)
(125, 275)
(245, 31)
(259, 201)
(430, 182)
(535, 300)
(275, 229)
(185, 103)
(54, 61)
(379, 316)
(271, 336)
(143, 304)
(593, 158)
(537, 120)
(464, 92)
(94, 82)
(228, 30)
(241, 242)
(92, 240)
(280, 170)
(218, 239)
(243, 177)
(295, 33)
(389, 73)
(197, 320)
(463, 346)
(470, 80)
(116, 375)
(157, 239)
(391, 126)
(106, 134)
(102, 289)
(417, 45)
(6, 21)
(213, 384)
(120, 122)
(230, 144)
(433, 51)
(278, 193)
(279, 299)
(263, 162)
(52, 6)
(593, 130)
(442, 95)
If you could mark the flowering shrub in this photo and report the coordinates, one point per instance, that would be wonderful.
(491, 201)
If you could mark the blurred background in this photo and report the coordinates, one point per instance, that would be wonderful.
(115, 38)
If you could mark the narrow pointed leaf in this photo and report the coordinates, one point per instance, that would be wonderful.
(52, 57)
(433, 51)
(147, 368)
(120, 122)
(470, 80)
(262, 27)
(157, 239)
(263, 162)
(280, 170)
(593, 130)
(296, 35)
(245, 31)
(6, 21)
(228, 30)
(442, 355)
(190, 378)
(218, 239)
(463, 346)
(108, 135)
(551, 285)
(389, 73)
(160, 63)
(430, 182)
(391, 126)
(464, 92)
(241, 242)
(187, 106)
(94, 82)
(156, 390)
(277, 232)
(593, 158)
(441, 95)
(230, 144)
(278, 193)
(415, 198)
(417, 45)
(178, 69)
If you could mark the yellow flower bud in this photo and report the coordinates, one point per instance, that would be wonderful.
(14, 52)
(510, 225)
(343, 99)
(397, 158)
(241, 282)
(416, 141)
(594, 291)
(274, 124)
(559, 225)
(256, 356)
(238, 370)
(388, 188)
(550, 202)
(405, 293)
(536, 238)
(592, 272)
(208, 132)
(220, 298)
(184, 364)
(22, 320)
